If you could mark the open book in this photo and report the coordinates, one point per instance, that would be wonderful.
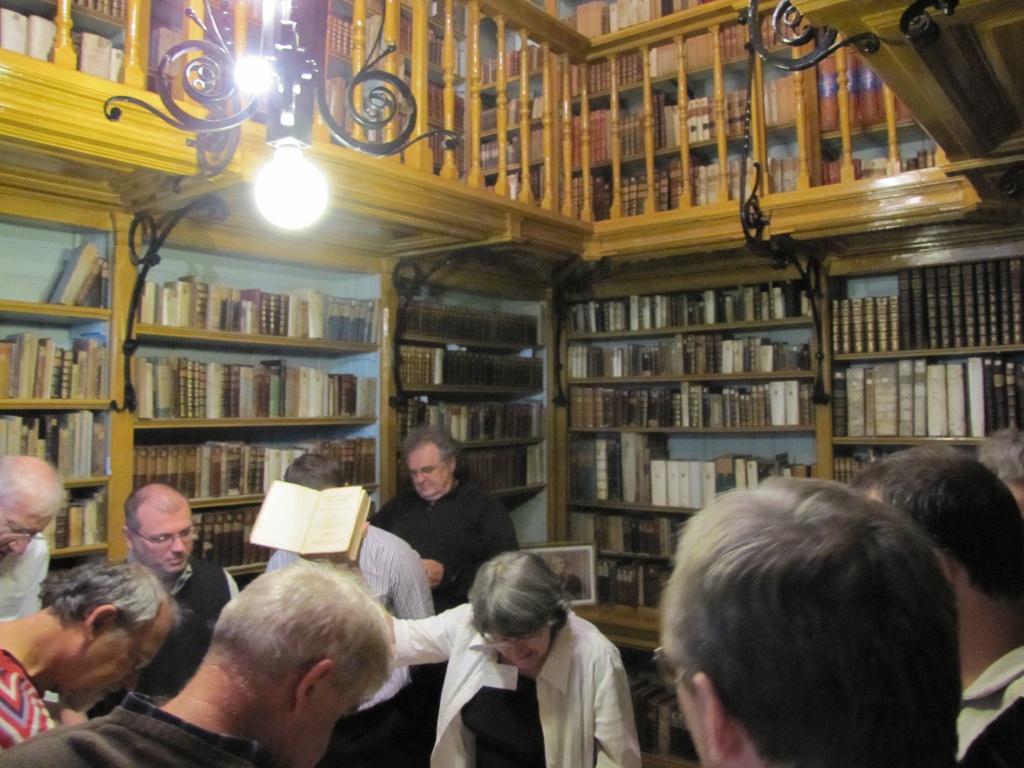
(308, 522)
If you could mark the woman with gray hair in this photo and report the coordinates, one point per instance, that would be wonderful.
(529, 683)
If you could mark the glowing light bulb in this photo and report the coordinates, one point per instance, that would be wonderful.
(254, 75)
(291, 192)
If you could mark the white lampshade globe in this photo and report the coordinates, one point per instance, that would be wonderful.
(291, 192)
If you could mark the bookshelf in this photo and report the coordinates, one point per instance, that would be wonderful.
(55, 369)
(925, 354)
(235, 382)
(673, 398)
(480, 374)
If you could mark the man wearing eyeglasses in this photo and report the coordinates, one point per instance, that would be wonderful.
(30, 495)
(158, 530)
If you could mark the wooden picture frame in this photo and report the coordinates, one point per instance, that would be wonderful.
(576, 564)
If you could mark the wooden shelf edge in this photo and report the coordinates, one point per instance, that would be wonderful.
(278, 422)
(88, 549)
(672, 330)
(184, 335)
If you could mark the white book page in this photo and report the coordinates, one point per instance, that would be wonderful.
(335, 518)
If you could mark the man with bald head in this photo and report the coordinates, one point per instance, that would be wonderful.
(30, 495)
(159, 533)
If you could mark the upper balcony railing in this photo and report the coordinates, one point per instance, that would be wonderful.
(634, 122)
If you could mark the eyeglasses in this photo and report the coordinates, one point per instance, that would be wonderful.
(501, 643)
(166, 538)
(423, 471)
(16, 531)
(668, 671)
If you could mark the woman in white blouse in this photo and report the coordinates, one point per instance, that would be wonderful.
(529, 683)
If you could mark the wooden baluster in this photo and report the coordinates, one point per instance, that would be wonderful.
(720, 123)
(63, 51)
(683, 126)
(475, 178)
(893, 163)
(616, 147)
(801, 81)
(134, 70)
(450, 169)
(758, 122)
(547, 122)
(566, 136)
(392, 34)
(419, 155)
(358, 58)
(651, 203)
(501, 185)
(587, 209)
(846, 170)
(525, 189)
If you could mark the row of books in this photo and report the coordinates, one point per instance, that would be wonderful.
(961, 305)
(630, 583)
(621, 468)
(97, 55)
(513, 64)
(866, 324)
(626, 534)
(863, 87)
(435, 365)
(686, 354)
(640, 312)
(38, 369)
(489, 116)
(467, 324)
(660, 726)
(600, 194)
(844, 468)
(915, 398)
(222, 537)
(596, 407)
(81, 522)
(83, 279)
(176, 387)
(116, 8)
(302, 313)
(217, 469)
(472, 422)
(76, 442)
(435, 106)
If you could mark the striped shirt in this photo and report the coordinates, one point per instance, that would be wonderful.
(22, 711)
(395, 575)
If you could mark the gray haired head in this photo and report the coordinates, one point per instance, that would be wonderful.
(430, 434)
(132, 589)
(515, 594)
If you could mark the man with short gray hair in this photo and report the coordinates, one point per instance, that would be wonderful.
(296, 650)
(30, 495)
(805, 624)
(1003, 453)
(101, 624)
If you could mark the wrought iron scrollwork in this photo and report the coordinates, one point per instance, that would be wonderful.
(208, 79)
(1011, 183)
(383, 94)
(146, 237)
(793, 29)
(917, 26)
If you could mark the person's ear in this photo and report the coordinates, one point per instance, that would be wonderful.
(100, 620)
(728, 742)
(311, 683)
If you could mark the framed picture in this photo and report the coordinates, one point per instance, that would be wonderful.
(574, 564)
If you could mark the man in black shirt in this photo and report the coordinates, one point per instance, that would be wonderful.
(453, 525)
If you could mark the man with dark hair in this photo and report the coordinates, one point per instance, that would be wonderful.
(378, 734)
(806, 625)
(158, 530)
(99, 626)
(293, 653)
(976, 528)
(455, 526)
(30, 495)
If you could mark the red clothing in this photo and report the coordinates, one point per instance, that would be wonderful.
(22, 711)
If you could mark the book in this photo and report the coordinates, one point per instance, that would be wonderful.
(309, 522)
